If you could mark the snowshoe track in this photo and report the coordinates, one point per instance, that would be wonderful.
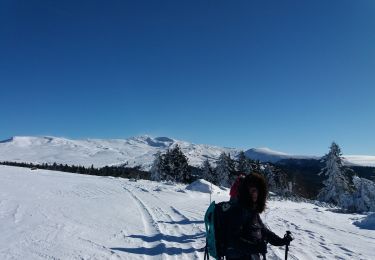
(169, 230)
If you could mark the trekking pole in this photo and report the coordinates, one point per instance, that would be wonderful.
(210, 192)
(287, 245)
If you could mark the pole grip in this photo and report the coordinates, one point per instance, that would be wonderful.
(287, 245)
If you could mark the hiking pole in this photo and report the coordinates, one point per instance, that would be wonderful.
(287, 245)
(210, 192)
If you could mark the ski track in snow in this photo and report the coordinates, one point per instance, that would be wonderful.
(51, 215)
(151, 227)
(162, 224)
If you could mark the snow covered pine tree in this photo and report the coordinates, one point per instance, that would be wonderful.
(243, 163)
(337, 187)
(157, 168)
(207, 171)
(223, 170)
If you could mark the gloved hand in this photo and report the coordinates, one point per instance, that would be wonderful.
(288, 238)
(262, 247)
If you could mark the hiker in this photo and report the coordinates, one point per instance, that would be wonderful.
(233, 193)
(246, 236)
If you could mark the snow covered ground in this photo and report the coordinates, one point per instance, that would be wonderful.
(53, 215)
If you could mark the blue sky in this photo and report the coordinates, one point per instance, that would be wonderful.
(288, 75)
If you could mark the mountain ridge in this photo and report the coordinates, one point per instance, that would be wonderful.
(136, 151)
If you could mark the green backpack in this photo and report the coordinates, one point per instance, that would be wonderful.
(213, 220)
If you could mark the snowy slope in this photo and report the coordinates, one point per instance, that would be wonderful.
(361, 160)
(268, 155)
(100, 152)
(52, 215)
(136, 151)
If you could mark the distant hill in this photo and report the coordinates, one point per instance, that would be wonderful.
(304, 174)
(135, 151)
(268, 155)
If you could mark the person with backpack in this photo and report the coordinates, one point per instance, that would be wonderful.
(235, 229)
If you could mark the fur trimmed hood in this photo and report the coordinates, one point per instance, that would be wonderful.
(253, 180)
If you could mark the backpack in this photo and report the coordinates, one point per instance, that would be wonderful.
(215, 238)
(233, 193)
(215, 219)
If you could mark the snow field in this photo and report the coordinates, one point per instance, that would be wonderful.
(53, 215)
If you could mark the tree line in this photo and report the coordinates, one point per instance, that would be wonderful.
(115, 171)
(173, 166)
(338, 183)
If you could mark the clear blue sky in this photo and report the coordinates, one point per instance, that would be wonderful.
(289, 75)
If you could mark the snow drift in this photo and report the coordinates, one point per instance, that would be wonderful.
(367, 222)
(205, 187)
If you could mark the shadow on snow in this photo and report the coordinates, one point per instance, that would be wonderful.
(168, 238)
(162, 248)
(156, 250)
(183, 222)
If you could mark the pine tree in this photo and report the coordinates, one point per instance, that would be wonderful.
(207, 171)
(175, 166)
(157, 168)
(337, 187)
(181, 165)
(276, 179)
(243, 163)
(256, 166)
(270, 176)
(223, 170)
(364, 195)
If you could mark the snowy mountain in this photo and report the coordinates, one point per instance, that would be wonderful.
(360, 160)
(268, 155)
(136, 151)
(53, 215)
(100, 152)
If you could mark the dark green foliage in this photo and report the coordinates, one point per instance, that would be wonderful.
(303, 173)
(171, 166)
(174, 166)
(244, 164)
(277, 180)
(115, 171)
(207, 171)
(364, 172)
(256, 166)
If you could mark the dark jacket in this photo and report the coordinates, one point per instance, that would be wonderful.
(245, 234)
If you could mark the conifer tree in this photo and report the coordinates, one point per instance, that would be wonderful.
(182, 165)
(276, 179)
(243, 164)
(175, 165)
(337, 187)
(223, 170)
(270, 176)
(157, 168)
(207, 171)
(256, 166)
(364, 195)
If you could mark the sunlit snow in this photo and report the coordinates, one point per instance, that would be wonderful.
(52, 215)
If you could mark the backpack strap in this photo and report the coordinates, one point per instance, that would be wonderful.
(206, 255)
